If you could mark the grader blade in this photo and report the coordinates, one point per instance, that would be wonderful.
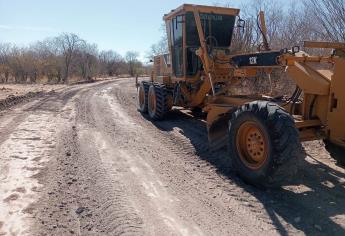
(218, 132)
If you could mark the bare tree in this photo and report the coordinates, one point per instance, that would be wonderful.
(69, 44)
(330, 15)
(299, 25)
(243, 38)
(33, 65)
(274, 16)
(52, 61)
(111, 62)
(161, 47)
(133, 62)
(87, 60)
(19, 64)
(5, 50)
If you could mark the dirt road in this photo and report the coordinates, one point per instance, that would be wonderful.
(83, 161)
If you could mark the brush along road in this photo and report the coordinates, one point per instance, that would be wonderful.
(83, 161)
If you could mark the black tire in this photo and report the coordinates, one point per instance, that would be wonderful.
(143, 101)
(161, 108)
(284, 150)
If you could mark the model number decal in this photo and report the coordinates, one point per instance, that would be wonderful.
(253, 60)
(213, 17)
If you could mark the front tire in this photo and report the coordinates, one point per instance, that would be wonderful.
(264, 144)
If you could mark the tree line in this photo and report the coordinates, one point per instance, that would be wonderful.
(62, 58)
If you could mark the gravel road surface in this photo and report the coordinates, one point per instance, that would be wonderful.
(84, 161)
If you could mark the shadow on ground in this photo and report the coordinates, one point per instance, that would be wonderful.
(314, 202)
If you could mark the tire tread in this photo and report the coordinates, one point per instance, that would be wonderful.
(286, 149)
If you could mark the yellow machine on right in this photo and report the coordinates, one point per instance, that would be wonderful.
(263, 133)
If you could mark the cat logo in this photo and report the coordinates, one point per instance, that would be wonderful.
(253, 60)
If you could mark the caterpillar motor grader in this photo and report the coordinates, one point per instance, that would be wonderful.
(263, 133)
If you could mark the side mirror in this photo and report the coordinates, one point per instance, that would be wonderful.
(241, 23)
(295, 49)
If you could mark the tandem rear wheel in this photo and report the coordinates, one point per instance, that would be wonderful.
(264, 144)
(152, 99)
(142, 96)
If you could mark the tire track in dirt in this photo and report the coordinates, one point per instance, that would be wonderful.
(146, 191)
(201, 166)
(117, 214)
(82, 197)
(24, 152)
(290, 209)
(181, 163)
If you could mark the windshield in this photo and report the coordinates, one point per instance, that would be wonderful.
(219, 27)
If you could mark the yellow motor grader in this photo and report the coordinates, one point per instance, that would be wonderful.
(263, 133)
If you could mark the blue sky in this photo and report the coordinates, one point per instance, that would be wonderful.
(118, 25)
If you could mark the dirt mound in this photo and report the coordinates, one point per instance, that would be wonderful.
(12, 100)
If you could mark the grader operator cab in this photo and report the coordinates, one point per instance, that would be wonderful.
(263, 133)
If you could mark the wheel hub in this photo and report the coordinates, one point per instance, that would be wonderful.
(255, 145)
(252, 145)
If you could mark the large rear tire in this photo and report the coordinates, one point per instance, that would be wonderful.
(264, 144)
(157, 101)
(143, 96)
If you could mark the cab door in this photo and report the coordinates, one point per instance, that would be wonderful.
(176, 29)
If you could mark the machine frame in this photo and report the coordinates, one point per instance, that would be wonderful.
(320, 80)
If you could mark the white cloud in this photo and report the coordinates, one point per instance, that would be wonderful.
(28, 28)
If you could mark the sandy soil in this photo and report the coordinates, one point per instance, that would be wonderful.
(83, 161)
